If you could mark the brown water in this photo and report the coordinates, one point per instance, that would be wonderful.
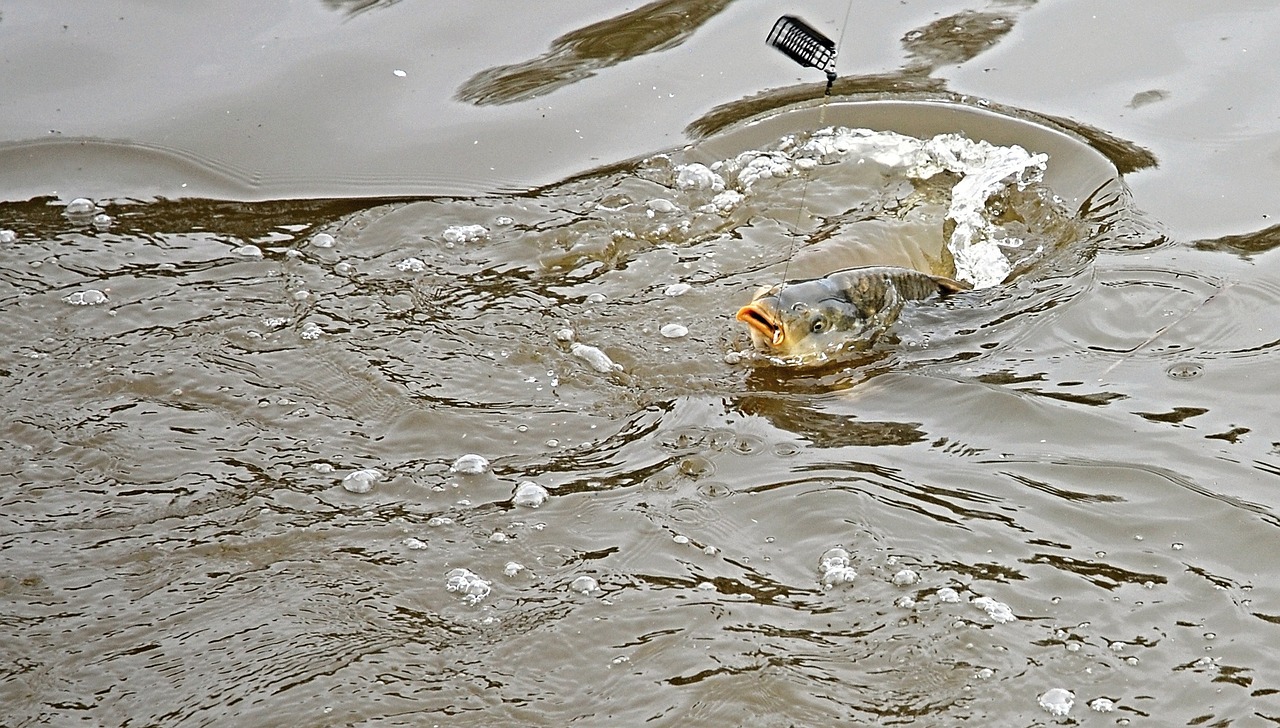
(1092, 444)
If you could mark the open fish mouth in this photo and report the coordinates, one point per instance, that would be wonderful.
(761, 321)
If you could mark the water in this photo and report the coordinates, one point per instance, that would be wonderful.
(1058, 486)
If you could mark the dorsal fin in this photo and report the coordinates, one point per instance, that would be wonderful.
(950, 285)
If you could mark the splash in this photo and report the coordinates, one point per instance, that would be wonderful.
(983, 171)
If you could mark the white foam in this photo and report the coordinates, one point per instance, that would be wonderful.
(998, 611)
(984, 169)
(310, 331)
(465, 233)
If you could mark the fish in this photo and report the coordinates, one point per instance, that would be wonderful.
(807, 321)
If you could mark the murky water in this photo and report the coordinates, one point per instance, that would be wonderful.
(506, 458)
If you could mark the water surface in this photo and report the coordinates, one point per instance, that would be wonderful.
(1087, 445)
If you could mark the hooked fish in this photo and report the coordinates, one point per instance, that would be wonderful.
(806, 321)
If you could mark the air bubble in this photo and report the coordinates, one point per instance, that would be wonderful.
(1058, 701)
(1102, 705)
(674, 331)
(1184, 370)
(584, 585)
(529, 495)
(906, 577)
(470, 465)
(81, 206)
(361, 481)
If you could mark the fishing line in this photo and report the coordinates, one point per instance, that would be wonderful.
(806, 46)
(1160, 332)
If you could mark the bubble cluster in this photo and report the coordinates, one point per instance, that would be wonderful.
(7, 236)
(468, 585)
(836, 569)
(698, 177)
(90, 297)
(411, 265)
(310, 331)
(999, 612)
(465, 233)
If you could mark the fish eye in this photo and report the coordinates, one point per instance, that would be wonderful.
(818, 326)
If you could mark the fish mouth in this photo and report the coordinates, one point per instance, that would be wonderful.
(762, 322)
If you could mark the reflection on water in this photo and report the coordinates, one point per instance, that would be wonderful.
(955, 38)
(578, 54)
(1023, 497)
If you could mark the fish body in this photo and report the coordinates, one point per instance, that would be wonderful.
(806, 321)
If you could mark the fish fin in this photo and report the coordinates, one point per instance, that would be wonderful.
(950, 285)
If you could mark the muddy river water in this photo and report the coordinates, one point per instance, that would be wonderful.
(374, 363)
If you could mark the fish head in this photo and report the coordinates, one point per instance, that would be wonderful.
(804, 322)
